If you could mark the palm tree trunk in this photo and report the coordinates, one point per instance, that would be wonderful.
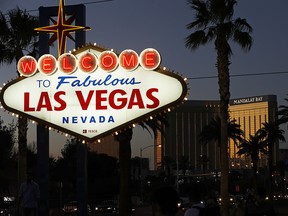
(255, 169)
(270, 173)
(125, 204)
(222, 48)
(22, 151)
(224, 169)
(22, 148)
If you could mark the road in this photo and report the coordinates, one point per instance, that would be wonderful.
(281, 209)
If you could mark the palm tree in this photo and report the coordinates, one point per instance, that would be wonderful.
(184, 164)
(125, 203)
(281, 166)
(7, 162)
(212, 131)
(17, 38)
(271, 133)
(203, 161)
(283, 112)
(253, 147)
(167, 163)
(214, 21)
(124, 139)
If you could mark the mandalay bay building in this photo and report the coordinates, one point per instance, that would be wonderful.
(187, 121)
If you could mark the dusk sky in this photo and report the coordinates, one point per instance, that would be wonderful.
(161, 24)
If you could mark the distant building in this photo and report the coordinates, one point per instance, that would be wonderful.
(188, 120)
(181, 134)
(108, 145)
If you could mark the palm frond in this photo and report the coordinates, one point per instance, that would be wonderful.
(195, 39)
(156, 124)
(17, 35)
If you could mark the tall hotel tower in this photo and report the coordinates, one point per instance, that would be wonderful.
(187, 121)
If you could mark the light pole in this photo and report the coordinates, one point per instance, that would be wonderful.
(141, 180)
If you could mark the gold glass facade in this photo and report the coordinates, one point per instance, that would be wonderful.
(250, 113)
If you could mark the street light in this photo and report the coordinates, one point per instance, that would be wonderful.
(141, 150)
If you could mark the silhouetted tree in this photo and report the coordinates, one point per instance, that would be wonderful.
(125, 203)
(271, 133)
(203, 161)
(168, 162)
(214, 21)
(17, 38)
(212, 131)
(283, 112)
(124, 138)
(253, 147)
(102, 172)
(184, 164)
(282, 166)
(7, 157)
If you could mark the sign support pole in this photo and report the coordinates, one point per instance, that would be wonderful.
(42, 131)
(43, 135)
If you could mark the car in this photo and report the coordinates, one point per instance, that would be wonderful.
(231, 200)
(7, 206)
(107, 206)
(71, 207)
(184, 204)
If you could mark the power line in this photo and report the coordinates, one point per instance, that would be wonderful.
(96, 2)
(239, 75)
(86, 3)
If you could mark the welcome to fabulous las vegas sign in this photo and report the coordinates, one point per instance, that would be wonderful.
(93, 92)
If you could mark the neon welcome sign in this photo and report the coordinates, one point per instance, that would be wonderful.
(93, 92)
